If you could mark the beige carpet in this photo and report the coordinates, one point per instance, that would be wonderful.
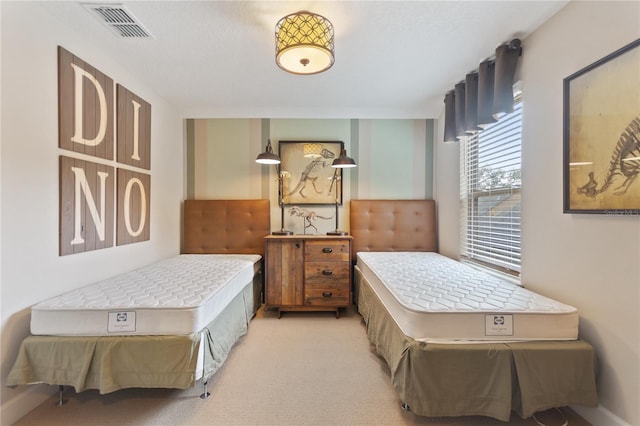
(302, 369)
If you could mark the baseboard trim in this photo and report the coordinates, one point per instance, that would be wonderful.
(599, 416)
(24, 402)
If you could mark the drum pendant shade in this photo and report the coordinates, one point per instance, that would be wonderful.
(304, 43)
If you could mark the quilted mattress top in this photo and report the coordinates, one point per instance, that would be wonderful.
(430, 282)
(184, 281)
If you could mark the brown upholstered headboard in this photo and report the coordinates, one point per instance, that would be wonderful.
(226, 226)
(393, 225)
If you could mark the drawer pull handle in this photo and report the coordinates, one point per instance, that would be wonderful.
(326, 294)
(327, 250)
(327, 272)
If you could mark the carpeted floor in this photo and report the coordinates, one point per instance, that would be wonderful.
(302, 369)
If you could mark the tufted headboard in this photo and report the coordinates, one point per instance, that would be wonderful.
(393, 225)
(225, 226)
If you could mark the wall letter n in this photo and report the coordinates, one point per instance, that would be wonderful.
(82, 187)
(86, 205)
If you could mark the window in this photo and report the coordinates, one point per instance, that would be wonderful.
(490, 184)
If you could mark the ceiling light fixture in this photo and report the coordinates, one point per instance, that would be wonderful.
(312, 150)
(304, 43)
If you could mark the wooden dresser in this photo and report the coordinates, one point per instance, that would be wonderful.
(307, 273)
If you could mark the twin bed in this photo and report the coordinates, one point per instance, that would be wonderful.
(457, 341)
(165, 325)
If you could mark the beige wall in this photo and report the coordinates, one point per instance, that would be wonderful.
(31, 268)
(589, 261)
(592, 262)
(393, 158)
(223, 158)
(394, 161)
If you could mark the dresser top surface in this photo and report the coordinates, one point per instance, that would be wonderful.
(308, 237)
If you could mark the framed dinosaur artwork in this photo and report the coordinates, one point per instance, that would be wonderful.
(602, 135)
(307, 175)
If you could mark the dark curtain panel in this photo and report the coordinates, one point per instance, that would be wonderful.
(450, 117)
(483, 95)
(486, 72)
(506, 61)
(471, 103)
(460, 109)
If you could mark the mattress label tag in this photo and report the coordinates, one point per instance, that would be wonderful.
(121, 321)
(498, 325)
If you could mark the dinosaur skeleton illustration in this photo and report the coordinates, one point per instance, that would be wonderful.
(306, 175)
(625, 162)
(308, 215)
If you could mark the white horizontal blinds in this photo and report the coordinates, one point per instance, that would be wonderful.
(490, 193)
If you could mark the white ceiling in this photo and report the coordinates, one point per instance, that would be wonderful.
(394, 59)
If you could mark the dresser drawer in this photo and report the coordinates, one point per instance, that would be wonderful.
(326, 294)
(327, 250)
(326, 272)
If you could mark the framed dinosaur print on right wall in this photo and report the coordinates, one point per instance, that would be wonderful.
(602, 135)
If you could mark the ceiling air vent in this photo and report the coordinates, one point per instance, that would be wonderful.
(119, 20)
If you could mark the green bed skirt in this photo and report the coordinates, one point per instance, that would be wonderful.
(110, 363)
(488, 379)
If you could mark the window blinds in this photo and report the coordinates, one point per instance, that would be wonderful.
(490, 194)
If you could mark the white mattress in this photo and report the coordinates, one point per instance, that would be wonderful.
(179, 295)
(436, 299)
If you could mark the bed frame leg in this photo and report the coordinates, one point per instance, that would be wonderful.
(206, 393)
(405, 406)
(60, 393)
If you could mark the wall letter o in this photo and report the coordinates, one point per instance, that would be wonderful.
(143, 207)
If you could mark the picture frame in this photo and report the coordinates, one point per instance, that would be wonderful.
(307, 175)
(601, 135)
